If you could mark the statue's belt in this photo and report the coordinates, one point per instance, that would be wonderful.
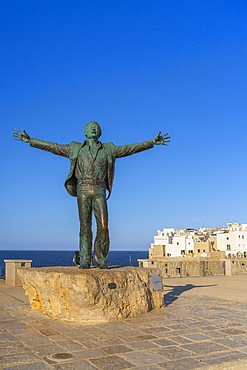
(91, 182)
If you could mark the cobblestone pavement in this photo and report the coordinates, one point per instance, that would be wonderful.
(194, 331)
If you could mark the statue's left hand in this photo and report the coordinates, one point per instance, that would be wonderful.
(21, 135)
(161, 139)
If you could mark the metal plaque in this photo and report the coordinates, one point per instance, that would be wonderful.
(112, 286)
(155, 280)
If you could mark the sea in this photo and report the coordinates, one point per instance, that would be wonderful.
(64, 258)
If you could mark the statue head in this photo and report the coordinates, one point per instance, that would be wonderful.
(92, 130)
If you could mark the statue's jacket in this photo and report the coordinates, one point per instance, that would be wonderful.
(112, 152)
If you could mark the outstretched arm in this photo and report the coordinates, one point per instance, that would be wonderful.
(126, 150)
(54, 148)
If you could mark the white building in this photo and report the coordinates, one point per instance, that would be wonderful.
(234, 240)
(178, 243)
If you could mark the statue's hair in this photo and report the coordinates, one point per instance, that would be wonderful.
(90, 123)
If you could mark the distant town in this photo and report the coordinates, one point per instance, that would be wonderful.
(230, 242)
(199, 252)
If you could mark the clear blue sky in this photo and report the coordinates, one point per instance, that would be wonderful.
(136, 67)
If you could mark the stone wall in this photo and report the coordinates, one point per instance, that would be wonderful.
(191, 267)
(239, 265)
(158, 251)
(195, 266)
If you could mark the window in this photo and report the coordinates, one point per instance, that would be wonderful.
(204, 250)
(182, 252)
(242, 236)
(198, 250)
(190, 251)
(227, 238)
(177, 243)
(228, 247)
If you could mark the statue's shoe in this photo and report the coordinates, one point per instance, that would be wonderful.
(102, 266)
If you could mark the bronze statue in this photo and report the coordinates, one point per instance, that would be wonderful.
(91, 174)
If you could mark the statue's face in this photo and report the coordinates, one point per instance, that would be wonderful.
(92, 130)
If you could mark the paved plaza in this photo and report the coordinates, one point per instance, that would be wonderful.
(202, 326)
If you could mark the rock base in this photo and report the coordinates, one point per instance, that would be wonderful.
(91, 295)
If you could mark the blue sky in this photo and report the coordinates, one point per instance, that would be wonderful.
(136, 67)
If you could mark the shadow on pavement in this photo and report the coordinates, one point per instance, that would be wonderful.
(174, 294)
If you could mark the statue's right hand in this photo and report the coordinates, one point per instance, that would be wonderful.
(21, 135)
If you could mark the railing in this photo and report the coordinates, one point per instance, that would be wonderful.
(49, 264)
(2, 272)
(112, 264)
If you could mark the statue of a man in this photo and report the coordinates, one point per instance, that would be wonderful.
(91, 174)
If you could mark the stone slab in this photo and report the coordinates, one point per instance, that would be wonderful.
(11, 267)
(93, 294)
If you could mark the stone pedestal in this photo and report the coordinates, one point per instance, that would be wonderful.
(228, 267)
(91, 295)
(11, 267)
